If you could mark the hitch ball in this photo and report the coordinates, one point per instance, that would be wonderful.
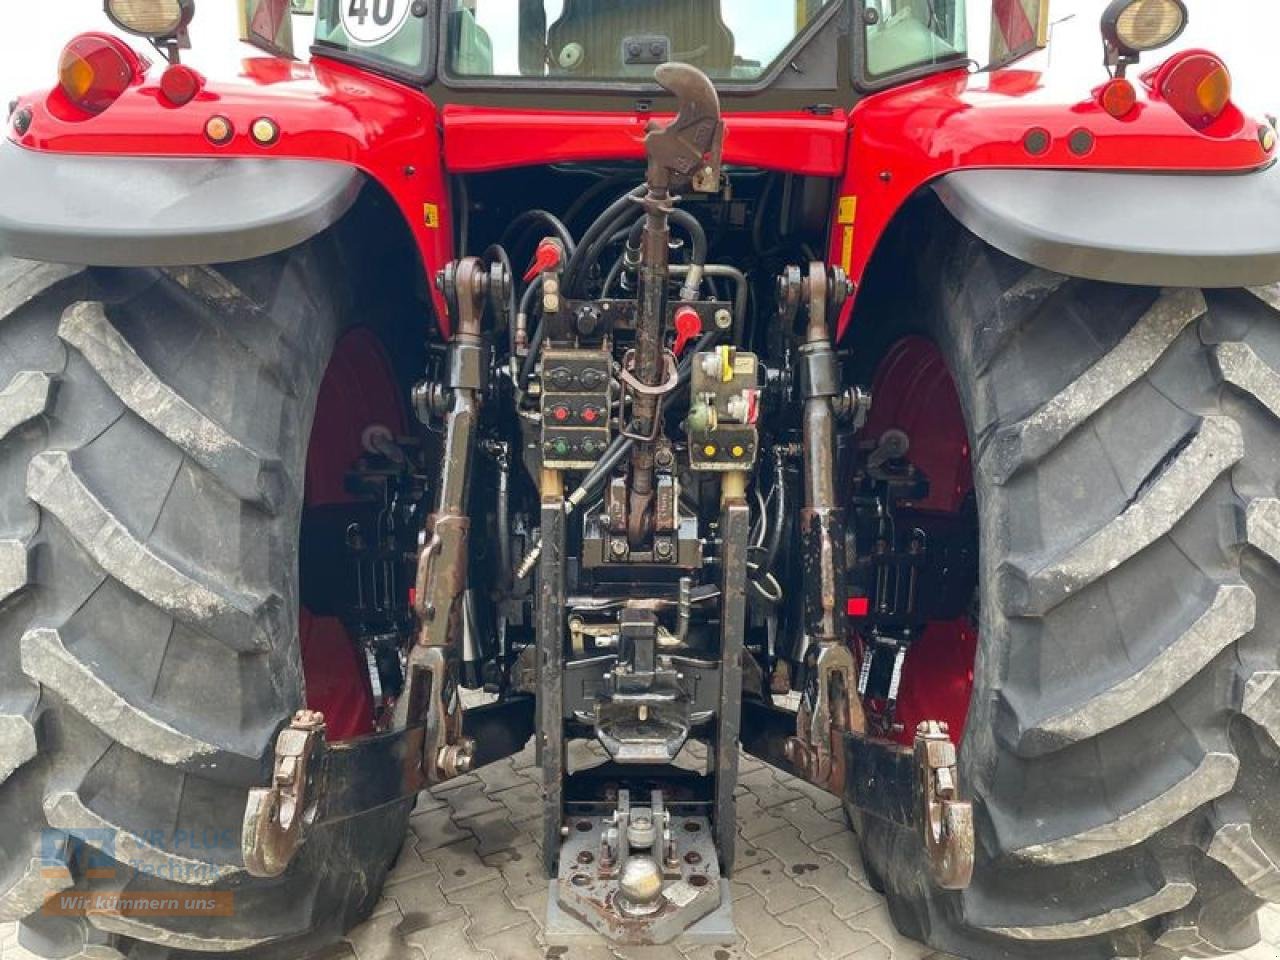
(640, 887)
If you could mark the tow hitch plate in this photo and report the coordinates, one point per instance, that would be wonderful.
(642, 875)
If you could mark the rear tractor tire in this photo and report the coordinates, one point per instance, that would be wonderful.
(154, 430)
(1122, 745)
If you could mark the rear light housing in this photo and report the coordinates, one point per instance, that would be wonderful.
(180, 84)
(1118, 97)
(95, 69)
(1197, 84)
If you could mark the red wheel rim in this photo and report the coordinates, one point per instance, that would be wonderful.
(359, 390)
(914, 392)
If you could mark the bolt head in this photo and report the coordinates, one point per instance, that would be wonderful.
(724, 319)
(618, 547)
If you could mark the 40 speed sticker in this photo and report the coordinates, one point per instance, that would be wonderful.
(371, 22)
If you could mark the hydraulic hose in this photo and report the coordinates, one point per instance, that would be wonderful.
(498, 252)
(530, 358)
(603, 225)
(550, 219)
(698, 259)
(616, 452)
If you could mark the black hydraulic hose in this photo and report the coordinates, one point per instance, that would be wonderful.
(685, 370)
(612, 277)
(690, 224)
(616, 231)
(774, 540)
(603, 225)
(535, 342)
(529, 217)
(617, 450)
(498, 252)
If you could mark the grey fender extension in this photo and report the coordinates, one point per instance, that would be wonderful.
(164, 211)
(1169, 229)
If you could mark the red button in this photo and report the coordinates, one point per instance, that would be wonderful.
(561, 413)
(590, 415)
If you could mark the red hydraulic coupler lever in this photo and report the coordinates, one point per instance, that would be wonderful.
(549, 257)
(688, 326)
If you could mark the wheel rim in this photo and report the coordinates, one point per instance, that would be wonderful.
(359, 390)
(914, 392)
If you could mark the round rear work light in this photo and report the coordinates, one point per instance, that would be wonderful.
(95, 69)
(1135, 26)
(156, 19)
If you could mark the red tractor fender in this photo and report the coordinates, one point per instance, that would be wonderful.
(231, 204)
(1045, 174)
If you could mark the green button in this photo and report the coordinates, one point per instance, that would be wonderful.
(560, 447)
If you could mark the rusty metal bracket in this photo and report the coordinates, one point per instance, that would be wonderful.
(828, 710)
(446, 753)
(276, 816)
(946, 822)
(688, 149)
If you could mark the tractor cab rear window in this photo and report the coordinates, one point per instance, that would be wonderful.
(905, 35)
(594, 40)
(382, 31)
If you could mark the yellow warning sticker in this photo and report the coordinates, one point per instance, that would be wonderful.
(846, 250)
(431, 215)
(847, 212)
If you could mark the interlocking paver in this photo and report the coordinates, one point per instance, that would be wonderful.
(487, 908)
(876, 922)
(753, 819)
(761, 931)
(768, 788)
(436, 828)
(460, 866)
(770, 879)
(494, 831)
(832, 937)
(421, 901)
(502, 775)
(382, 938)
(812, 823)
(471, 801)
(522, 802)
(448, 941)
(521, 868)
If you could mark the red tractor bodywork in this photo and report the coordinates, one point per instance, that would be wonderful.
(883, 151)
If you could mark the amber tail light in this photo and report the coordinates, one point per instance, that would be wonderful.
(95, 69)
(1198, 86)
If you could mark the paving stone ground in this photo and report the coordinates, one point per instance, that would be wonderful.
(468, 885)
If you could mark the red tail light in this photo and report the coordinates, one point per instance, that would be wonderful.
(1198, 86)
(1119, 98)
(180, 84)
(95, 69)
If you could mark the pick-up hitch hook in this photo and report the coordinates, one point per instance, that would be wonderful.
(682, 153)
